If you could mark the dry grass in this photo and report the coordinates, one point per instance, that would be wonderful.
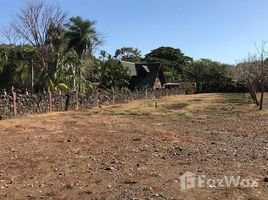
(172, 106)
(136, 151)
(186, 105)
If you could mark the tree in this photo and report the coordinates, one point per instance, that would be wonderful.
(15, 62)
(9, 34)
(210, 76)
(83, 38)
(55, 37)
(109, 72)
(63, 78)
(113, 74)
(129, 54)
(242, 73)
(34, 25)
(31, 25)
(62, 50)
(261, 70)
(253, 73)
(172, 60)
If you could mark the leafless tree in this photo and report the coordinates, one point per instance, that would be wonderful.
(253, 73)
(8, 33)
(243, 74)
(32, 23)
(261, 70)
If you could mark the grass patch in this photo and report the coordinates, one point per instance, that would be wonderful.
(182, 105)
(177, 106)
(236, 98)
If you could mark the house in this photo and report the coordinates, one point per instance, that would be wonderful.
(145, 75)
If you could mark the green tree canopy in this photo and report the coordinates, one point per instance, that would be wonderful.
(82, 35)
(82, 38)
(210, 76)
(15, 62)
(109, 72)
(128, 54)
(172, 60)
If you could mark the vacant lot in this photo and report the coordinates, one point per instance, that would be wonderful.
(137, 151)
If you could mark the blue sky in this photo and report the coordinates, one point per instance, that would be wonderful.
(222, 30)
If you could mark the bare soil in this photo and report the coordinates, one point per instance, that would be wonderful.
(137, 151)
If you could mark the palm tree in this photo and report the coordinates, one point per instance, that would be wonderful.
(83, 38)
(62, 61)
(62, 78)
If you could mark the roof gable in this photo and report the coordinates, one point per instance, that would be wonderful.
(147, 74)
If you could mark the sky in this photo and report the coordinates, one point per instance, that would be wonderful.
(221, 30)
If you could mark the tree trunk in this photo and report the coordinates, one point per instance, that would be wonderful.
(80, 55)
(262, 94)
(74, 82)
(32, 77)
(79, 81)
(253, 95)
(198, 87)
(67, 102)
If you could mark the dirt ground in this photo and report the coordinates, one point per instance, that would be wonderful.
(137, 151)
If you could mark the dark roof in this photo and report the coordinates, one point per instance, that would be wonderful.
(130, 66)
(145, 78)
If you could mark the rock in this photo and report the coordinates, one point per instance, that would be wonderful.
(178, 148)
(109, 168)
(130, 182)
(265, 179)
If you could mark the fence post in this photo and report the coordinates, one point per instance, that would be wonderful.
(14, 98)
(146, 93)
(67, 102)
(97, 98)
(77, 100)
(50, 101)
(113, 95)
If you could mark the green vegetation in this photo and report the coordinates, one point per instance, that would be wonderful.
(48, 51)
(128, 54)
(210, 76)
(59, 56)
(173, 61)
